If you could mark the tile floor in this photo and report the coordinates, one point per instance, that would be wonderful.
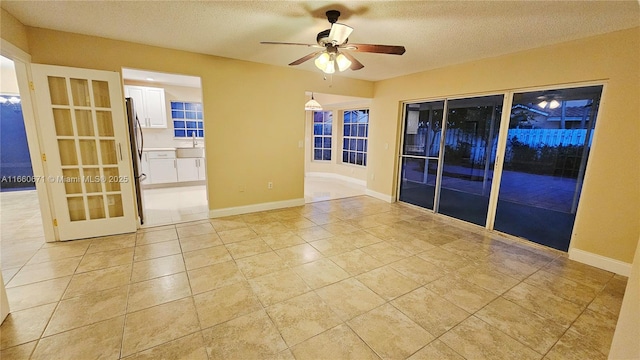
(321, 189)
(170, 205)
(351, 278)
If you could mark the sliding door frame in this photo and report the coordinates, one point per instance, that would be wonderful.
(502, 140)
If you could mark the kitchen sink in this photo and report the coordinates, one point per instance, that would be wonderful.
(190, 152)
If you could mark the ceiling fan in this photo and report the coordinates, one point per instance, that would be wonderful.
(331, 41)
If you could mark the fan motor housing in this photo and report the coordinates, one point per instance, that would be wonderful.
(323, 38)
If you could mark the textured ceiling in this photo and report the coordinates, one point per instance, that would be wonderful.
(435, 33)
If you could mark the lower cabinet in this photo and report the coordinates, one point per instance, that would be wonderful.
(163, 171)
(163, 167)
(191, 169)
(187, 169)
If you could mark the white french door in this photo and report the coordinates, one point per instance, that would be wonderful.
(86, 150)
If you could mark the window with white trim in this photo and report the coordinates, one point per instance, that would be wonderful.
(187, 119)
(322, 122)
(354, 136)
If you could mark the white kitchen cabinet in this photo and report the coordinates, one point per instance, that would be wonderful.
(144, 168)
(191, 169)
(187, 169)
(162, 167)
(149, 104)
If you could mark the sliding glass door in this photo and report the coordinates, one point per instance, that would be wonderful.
(449, 156)
(548, 144)
(420, 153)
(471, 136)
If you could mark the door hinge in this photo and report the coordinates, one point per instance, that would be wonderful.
(44, 157)
(33, 88)
(55, 222)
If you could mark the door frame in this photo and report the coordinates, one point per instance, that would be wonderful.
(502, 142)
(22, 64)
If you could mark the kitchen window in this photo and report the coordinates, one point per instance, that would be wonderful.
(187, 119)
(354, 137)
(322, 122)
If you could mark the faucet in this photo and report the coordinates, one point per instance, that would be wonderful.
(193, 138)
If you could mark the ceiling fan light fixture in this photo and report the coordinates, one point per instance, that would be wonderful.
(322, 60)
(554, 104)
(312, 105)
(343, 62)
(328, 61)
(543, 104)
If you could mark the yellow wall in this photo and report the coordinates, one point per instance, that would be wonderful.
(254, 113)
(13, 31)
(608, 218)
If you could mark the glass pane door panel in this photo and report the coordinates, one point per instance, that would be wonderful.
(89, 153)
(62, 119)
(92, 180)
(105, 123)
(80, 92)
(471, 136)
(58, 90)
(418, 181)
(548, 144)
(111, 178)
(96, 207)
(84, 123)
(67, 150)
(76, 208)
(115, 205)
(101, 93)
(72, 181)
(108, 150)
(422, 129)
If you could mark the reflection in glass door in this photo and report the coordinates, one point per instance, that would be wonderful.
(548, 143)
(471, 135)
(422, 130)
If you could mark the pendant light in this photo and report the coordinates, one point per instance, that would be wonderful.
(312, 105)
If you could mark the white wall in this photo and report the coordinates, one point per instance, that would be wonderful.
(161, 138)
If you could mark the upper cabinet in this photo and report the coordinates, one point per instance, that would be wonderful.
(149, 105)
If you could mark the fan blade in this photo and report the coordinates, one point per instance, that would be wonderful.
(355, 64)
(305, 58)
(286, 43)
(339, 33)
(372, 48)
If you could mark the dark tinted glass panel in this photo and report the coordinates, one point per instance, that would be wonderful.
(548, 144)
(470, 141)
(423, 127)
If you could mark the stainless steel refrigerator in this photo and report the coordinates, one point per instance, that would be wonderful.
(137, 145)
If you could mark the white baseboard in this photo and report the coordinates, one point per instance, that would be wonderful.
(336, 176)
(381, 196)
(601, 262)
(238, 210)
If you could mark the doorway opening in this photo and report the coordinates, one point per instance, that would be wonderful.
(336, 140)
(22, 232)
(170, 147)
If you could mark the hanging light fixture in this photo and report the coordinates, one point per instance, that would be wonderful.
(331, 59)
(312, 105)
